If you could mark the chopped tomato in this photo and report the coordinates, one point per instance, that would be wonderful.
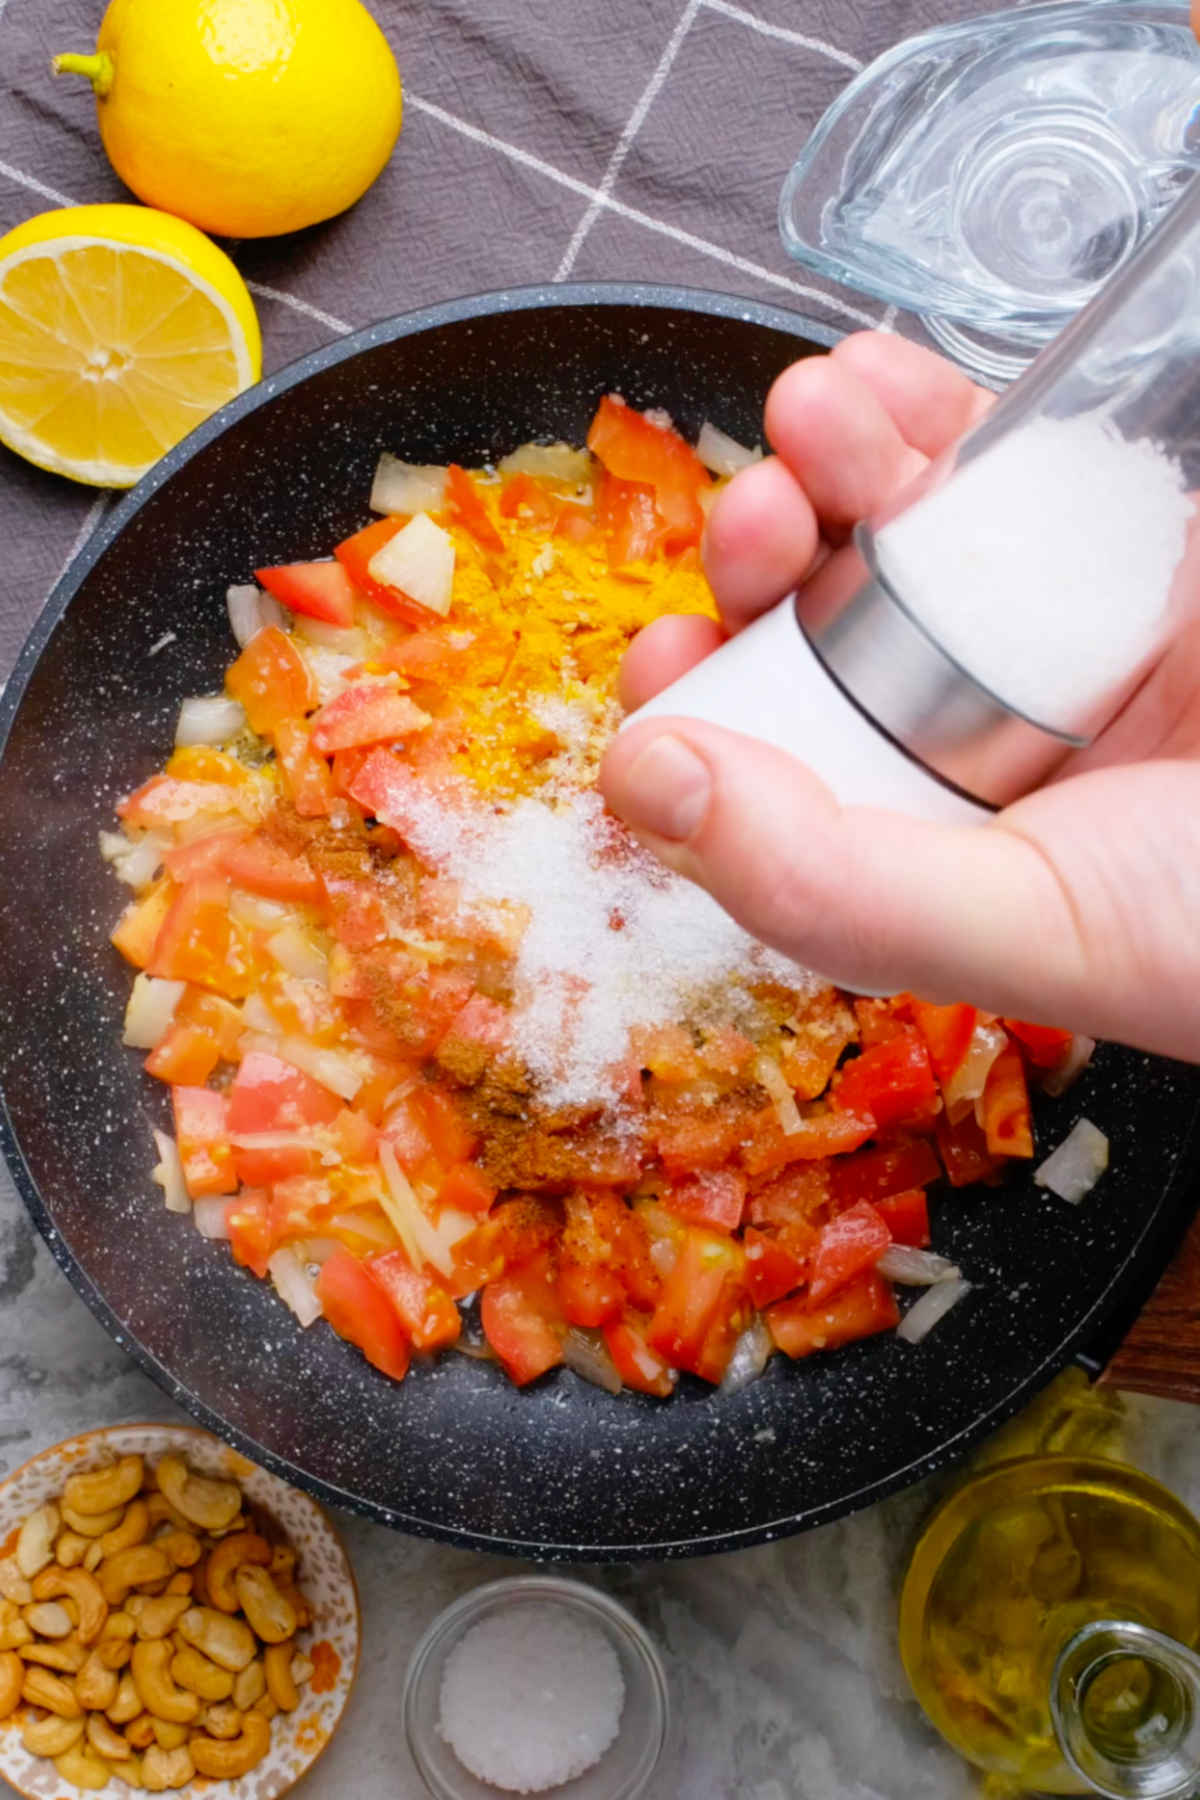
(203, 855)
(666, 1052)
(691, 1295)
(879, 1021)
(426, 655)
(136, 931)
(523, 497)
(1006, 1116)
(714, 1197)
(184, 1056)
(793, 1205)
(359, 1310)
(194, 939)
(451, 1138)
(771, 1269)
(370, 713)
(522, 1320)
(262, 867)
(321, 590)
(906, 1216)
(947, 1031)
(1044, 1045)
(356, 555)
(463, 501)
(874, 1174)
(964, 1151)
(269, 1094)
(636, 449)
(629, 519)
(251, 1238)
(852, 1242)
(300, 1207)
(305, 775)
(272, 681)
(167, 801)
(830, 1132)
(575, 523)
(467, 1189)
(215, 1015)
(639, 1367)
(690, 1141)
(891, 1082)
(424, 1308)
(589, 1294)
(860, 1310)
(202, 1137)
(356, 1138)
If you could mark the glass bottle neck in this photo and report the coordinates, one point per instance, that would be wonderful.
(1125, 1701)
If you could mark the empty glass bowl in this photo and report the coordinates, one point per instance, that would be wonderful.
(991, 175)
(624, 1770)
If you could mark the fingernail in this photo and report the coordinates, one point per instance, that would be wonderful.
(667, 789)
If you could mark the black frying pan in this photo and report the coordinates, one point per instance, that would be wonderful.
(562, 1469)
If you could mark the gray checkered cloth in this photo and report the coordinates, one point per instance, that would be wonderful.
(543, 140)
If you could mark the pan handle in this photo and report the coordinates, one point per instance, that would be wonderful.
(1155, 1348)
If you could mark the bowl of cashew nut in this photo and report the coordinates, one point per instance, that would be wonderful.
(170, 1614)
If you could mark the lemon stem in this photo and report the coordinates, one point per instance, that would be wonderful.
(98, 69)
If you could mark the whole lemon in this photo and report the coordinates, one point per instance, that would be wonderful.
(246, 117)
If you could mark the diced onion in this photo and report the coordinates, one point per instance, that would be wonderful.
(295, 951)
(294, 1285)
(750, 1356)
(933, 1305)
(332, 1068)
(135, 861)
(587, 1353)
(250, 610)
(401, 487)
(150, 1010)
(347, 640)
(768, 1074)
(1076, 1166)
(916, 1268)
(419, 561)
(257, 912)
(209, 719)
(168, 1173)
(1077, 1059)
(287, 1140)
(721, 453)
(970, 1078)
(553, 462)
(377, 1231)
(208, 1216)
(329, 669)
(316, 1250)
(423, 1242)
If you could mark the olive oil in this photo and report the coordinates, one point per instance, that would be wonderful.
(1007, 1570)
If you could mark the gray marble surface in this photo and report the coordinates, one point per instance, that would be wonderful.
(785, 1680)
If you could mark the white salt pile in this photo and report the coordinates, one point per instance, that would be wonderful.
(531, 1697)
(1044, 566)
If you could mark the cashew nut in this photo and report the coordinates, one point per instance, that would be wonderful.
(303, 1669)
(134, 1527)
(183, 1547)
(212, 1505)
(69, 1655)
(50, 1736)
(12, 1679)
(226, 1760)
(82, 1768)
(163, 1769)
(194, 1671)
(277, 1667)
(159, 1617)
(93, 1556)
(140, 1731)
(51, 1692)
(13, 1630)
(128, 1703)
(283, 1565)
(13, 1585)
(266, 1706)
(35, 1541)
(104, 1740)
(49, 1619)
(140, 1566)
(299, 1606)
(120, 1624)
(130, 1772)
(114, 1653)
(152, 1678)
(250, 1685)
(168, 1735)
(102, 1490)
(95, 1685)
(269, 1611)
(225, 1561)
(223, 1640)
(221, 1721)
(69, 1550)
(91, 1525)
(181, 1582)
(161, 1512)
(84, 1590)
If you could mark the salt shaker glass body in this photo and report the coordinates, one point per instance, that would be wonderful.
(1005, 606)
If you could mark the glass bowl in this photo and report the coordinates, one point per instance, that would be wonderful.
(624, 1770)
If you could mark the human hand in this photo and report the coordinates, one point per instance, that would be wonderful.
(1077, 906)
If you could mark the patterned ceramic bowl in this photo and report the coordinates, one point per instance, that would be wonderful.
(325, 1575)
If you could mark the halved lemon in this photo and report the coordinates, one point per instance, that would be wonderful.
(120, 329)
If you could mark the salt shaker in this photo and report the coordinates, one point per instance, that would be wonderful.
(1003, 608)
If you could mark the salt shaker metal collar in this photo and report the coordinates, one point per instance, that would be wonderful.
(895, 701)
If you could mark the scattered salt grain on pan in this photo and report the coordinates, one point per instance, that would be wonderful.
(531, 1697)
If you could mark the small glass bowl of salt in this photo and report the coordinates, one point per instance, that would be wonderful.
(536, 1685)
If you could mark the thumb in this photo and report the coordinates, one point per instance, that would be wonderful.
(870, 899)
